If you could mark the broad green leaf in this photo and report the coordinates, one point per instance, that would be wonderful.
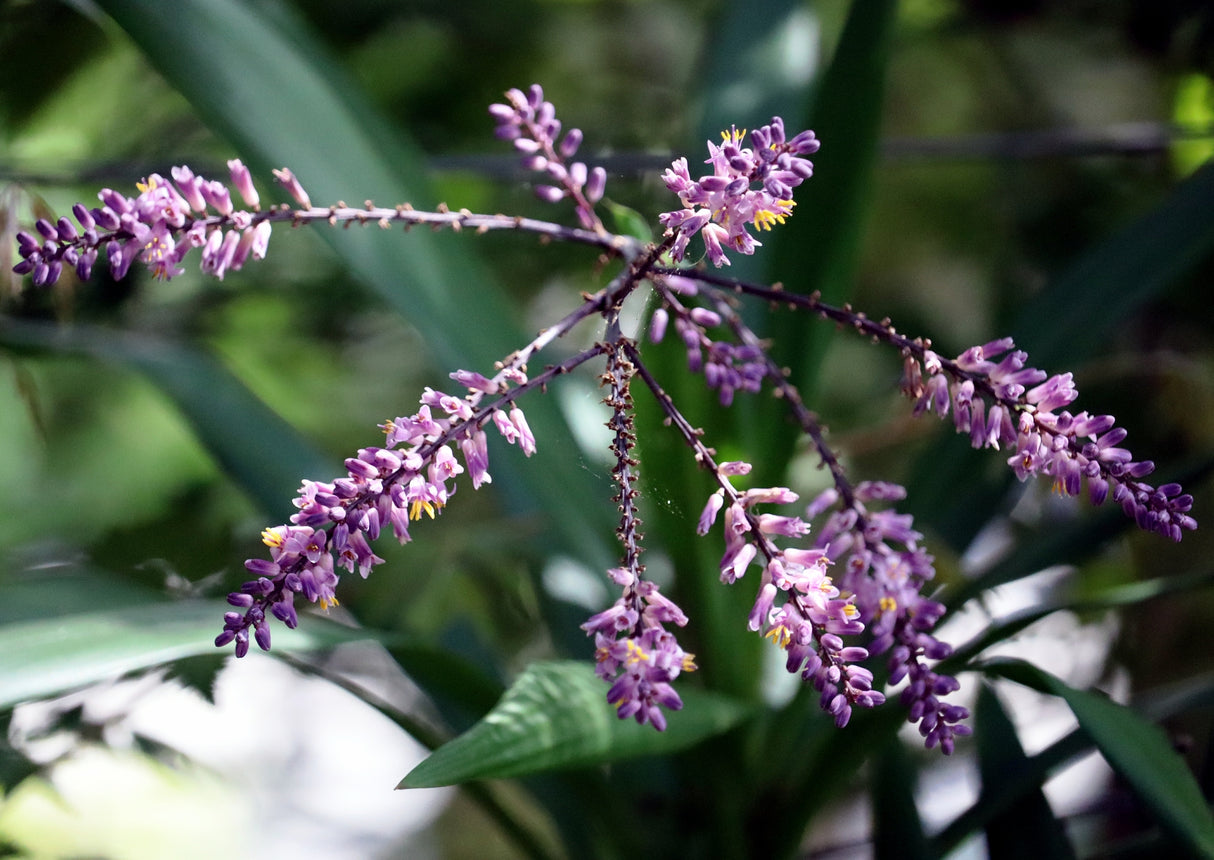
(1027, 826)
(55, 654)
(1135, 748)
(258, 77)
(555, 717)
(250, 442)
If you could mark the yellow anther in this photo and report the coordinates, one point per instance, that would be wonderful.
(689, 663)
(415, 512)
(326, 602)
(636, 654)
(733, 135)
(780, 635)
(270, 537)
(888, 604)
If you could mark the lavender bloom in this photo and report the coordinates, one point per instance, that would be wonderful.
(993, 403)
(636, 653)
(747, 186)
(797, 604)
(727, 367)
(383, 488)
(885, 570)
(157, 228)
(530, 123)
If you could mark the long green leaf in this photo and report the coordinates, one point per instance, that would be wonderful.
(818, 249)
(1124, 595)
(1028, 826)
(55, 654)
(252, 443)
(1065, 325)
(554, 717)
(1136, 749)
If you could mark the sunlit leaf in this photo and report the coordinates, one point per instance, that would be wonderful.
(1135, 748)
(53, 655)
(252, 443)
(555, 717)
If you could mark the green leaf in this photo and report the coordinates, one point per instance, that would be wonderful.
(252, 443)
(1135, 748)
(1122, 595)
(627, 221)
(555, 717)
(1026, 827)
(53, 655)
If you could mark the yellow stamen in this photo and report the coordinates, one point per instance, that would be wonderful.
(689, 662)
(636, 654)
(888, 604)
(326, 602)
(415, 512)
(780, 635)
(732, 135)
(270, 537)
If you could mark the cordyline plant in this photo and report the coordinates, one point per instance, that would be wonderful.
(853, 590)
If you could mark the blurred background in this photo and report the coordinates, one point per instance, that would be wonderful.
(1020, 168)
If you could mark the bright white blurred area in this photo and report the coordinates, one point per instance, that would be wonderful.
(281, 766)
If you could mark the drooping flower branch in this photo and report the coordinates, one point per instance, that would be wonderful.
(863, 574)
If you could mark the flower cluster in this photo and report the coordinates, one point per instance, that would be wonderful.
(798, 605)
(385, 487)
(885, 570)
(1025, 415)
(634, 651)
(158, 228)
(747, 186)
(530, 122)
(727, 367)
(879, 568)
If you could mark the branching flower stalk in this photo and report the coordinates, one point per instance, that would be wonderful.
(864, 572)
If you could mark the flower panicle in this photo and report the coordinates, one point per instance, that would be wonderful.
(634, 651)
(748, 186)
(999, 401)
(410, 478)
(530, 123)
(797, 606)
(157, 228)
(885, 569)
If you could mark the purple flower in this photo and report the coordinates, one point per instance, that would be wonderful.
(993, 403)
(530, 123)
(336, 521)
(885, 570)
(748, 187)
(158, 228)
